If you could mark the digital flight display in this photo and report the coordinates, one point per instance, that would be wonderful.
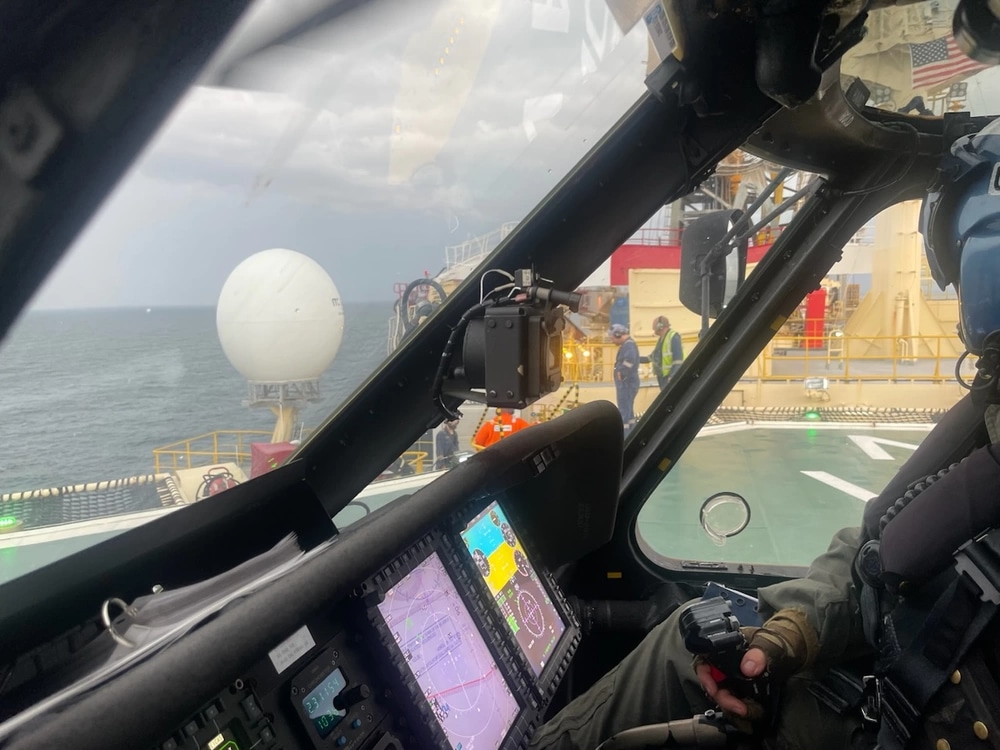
(524, 604)
(449, 658)
(319, 703)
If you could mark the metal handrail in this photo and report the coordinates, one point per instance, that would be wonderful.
(220, 446)
(835, 356)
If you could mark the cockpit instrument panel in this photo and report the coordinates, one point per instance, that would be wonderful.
(457, 643)
(460, 687)
(516, 588)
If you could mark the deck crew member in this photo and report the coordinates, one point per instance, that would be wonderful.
(626, 373)
(446, 445)
(504, 424)
(668, 353)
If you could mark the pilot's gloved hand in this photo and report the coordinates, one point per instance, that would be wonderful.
(785, 645)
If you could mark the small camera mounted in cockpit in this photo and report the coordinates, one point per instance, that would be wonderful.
(511, 343)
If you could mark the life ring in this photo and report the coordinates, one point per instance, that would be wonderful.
(414, 315)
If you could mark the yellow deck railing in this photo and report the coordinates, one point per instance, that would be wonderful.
(796, 356)
(233, 446)
(840, 357)
(416, 460)
(221, 446)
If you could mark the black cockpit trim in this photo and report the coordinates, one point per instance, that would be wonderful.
(154, 696)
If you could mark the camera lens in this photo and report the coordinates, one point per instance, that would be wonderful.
(976, 27)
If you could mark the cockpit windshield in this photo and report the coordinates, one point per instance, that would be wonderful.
(318, 196)
(258, 261)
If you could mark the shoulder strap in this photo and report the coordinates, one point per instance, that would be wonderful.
(960, 430)
(992, 417)
(955, 623)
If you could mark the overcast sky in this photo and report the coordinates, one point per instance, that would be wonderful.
(362, 149)
(361, 157)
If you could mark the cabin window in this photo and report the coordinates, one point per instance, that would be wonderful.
(841, 396)
(803, 480)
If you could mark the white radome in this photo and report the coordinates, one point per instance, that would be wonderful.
(280, 317)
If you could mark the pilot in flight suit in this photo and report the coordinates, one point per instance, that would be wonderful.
(656, 682)
(826, 620)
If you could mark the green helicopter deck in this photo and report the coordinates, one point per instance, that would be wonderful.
(802, 482)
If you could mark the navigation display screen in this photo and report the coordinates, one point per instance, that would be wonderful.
(523, 601)
(449, 658)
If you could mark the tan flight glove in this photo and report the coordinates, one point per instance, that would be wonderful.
(789, 645)
(789, 642)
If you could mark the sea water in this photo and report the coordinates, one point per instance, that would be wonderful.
(86, 395)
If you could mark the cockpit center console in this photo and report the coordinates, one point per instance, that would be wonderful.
(459, 642)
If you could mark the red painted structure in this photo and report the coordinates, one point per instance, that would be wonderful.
(815, 318)
(265, 457)
(661, 248)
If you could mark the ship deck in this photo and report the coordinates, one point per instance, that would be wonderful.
(802, 480)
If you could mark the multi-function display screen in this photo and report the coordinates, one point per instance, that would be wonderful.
(524, 604)
(449, 659)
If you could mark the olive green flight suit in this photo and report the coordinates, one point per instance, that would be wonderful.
(657, 683)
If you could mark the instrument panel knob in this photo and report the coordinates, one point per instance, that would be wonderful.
(351, 696)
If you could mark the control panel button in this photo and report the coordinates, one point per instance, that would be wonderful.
(356, 724)
(341, 741)
(170, 744)
(266, 735)
(211, 712)
(191, 728)
(251, 708)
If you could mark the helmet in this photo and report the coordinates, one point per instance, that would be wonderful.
(618, 331)
(960, 223)
(660, 324)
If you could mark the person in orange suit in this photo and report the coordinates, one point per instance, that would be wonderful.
(504, 424)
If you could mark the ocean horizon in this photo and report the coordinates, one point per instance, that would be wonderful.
(87, 394)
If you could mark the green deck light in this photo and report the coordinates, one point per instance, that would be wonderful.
(812, 414)
(9, 523)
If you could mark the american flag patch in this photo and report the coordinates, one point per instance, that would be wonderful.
(933, 63)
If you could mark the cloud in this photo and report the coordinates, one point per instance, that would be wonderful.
(270, 141)
(367, 124)
(365, 160)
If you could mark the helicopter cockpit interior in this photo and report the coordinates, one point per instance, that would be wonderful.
(466, 613)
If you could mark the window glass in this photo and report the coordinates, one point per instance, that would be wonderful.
(256, 264)
(802, 479)
(840, 397)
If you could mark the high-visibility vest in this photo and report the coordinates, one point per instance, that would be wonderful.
(667, 353)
